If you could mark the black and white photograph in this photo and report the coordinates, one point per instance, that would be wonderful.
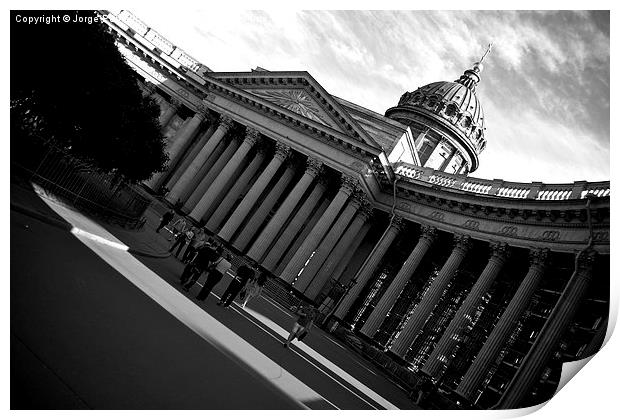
(272, 208)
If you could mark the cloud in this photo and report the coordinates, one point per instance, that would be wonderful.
(544, 89)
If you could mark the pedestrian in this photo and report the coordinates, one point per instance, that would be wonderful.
(423, 391)
(254, 288)
(177, 227)
(165, 219)
(201, 262)
(220, 267)
(244, 274)
(197, 241)
(182, 239)
(305, 321)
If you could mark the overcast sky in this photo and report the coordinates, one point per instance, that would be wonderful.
(544, 88)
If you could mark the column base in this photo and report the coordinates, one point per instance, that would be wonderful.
(398, 359)
(369, 340)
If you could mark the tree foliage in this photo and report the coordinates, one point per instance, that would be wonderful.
(71, 86)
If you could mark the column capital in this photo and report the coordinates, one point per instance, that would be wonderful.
(202, 111)
(282, 151)
(348, 184)
(357, 199)
(499, 251)
(251, 136)
(398, 224)
(225, 122)
(585, 260)
(429, 233)
(462, 242)
(313, 166)
(360, 197)
(538, 257)
(175, 103)
(365, 211)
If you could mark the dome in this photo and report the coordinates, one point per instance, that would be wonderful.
(451, 108)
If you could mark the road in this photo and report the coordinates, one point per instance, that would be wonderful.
(92, 326)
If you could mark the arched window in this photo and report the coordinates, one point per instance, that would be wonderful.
(451, 110)
(466, 122)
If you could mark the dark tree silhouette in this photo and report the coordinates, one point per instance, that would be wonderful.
(71, 86)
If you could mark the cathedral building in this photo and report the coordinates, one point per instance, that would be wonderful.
(480, 288)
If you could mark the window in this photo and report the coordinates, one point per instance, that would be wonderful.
(451, 110)
(425, 151)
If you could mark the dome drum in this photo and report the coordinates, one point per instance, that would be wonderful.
(453, 106)
(419, 116)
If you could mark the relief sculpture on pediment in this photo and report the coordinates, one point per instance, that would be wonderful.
(296, 100)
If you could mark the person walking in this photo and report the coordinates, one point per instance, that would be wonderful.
(165, 219)
(244, 274)
(197, 241)
(201, 262)
(305, 321)
(254, 288)
(182, 239)
(180, 225)
(214, 275)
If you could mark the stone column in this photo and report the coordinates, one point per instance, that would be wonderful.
(342, 265)
(164, 105)
(210, 171)
(179, 191)
(231, 197)
(504, 327)
(530, 369)
(430, 299)
(190, 156)
(260, 214)
(294, 227)
(208, 199)
(427, 237)
(318, 231)
(266, 237)
(339, 251)
(179, 143)
(166, 117)
(244, 208)
(358, 284)
(328, 243)
(464, 314)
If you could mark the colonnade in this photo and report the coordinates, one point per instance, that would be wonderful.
(234, 177)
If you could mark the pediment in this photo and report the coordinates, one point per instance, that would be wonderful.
(296, 100)
(297, 92)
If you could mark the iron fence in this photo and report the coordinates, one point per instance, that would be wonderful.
(86, 187)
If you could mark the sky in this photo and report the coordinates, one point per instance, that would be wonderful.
(545, 86)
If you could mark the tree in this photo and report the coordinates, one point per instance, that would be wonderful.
(71, 86)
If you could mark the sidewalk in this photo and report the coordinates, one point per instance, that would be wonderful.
(144, 242)
(153, 246)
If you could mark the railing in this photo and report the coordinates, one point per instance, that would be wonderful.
(159, 41)
(84, 186)
(501, 188)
